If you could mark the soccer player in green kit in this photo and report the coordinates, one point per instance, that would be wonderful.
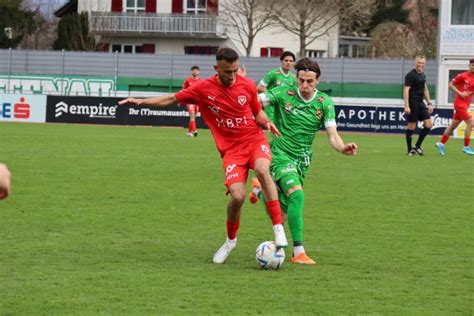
(278, 77)
(300, 111)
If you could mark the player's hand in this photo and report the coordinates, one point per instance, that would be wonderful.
(5, 181)
(430, 109)
(464, 94)
(407, 110)
(350, 149)
(129, 100)
(273, 129)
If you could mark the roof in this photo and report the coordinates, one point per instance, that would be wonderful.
(69, 7)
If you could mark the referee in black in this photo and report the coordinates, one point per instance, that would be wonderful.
(414, 89)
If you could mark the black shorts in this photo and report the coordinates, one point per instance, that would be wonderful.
(418, 112)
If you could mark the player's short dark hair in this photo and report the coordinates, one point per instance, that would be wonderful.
(307, 64)
(195, 67)
(286, 54)
(471, 61)
(227, 54)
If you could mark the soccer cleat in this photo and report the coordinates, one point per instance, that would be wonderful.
(302, 258)
(280, 237)
(412, 152)
(419, 151)
(468, 150)
(195, 134)
(255, 187)
(440, 147)
(224, 251)
(190, 134)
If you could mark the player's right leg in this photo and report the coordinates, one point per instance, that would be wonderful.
(234, 207)
(447, 133)
(411, 126)
(467, 136)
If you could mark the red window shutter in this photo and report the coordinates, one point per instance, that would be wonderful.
(263, 52)
(150, 6)
(212, 6)
(103, 47)
(117, 6)
(149, 48)
(276, 52)
(177, 6)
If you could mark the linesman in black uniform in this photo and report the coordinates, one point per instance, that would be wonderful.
(414, 89)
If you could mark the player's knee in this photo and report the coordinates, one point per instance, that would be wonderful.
(297, 196)
(238, 196)
(262, 173)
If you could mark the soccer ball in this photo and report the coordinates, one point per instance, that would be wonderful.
(268, 257)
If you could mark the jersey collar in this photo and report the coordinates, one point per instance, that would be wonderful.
(310, 100)
(283, 73)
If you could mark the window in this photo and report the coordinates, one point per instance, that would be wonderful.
(462, 12)
(271, 51)
(315, 53)
(130, 48)
(344, 50)
(196, 6)
(200, 50)
(358, 51)
(135, 6)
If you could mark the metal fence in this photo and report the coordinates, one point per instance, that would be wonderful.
(169, 67)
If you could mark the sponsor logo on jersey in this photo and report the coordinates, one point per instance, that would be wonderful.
(278, 83)
(319, 113)
(291, 93)
(212, 98)
(242, 99)
(277, 72)
(321, 99)
(288, 107)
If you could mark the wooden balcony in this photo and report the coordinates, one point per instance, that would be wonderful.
(160, 25)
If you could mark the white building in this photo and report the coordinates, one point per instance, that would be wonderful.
(456, 44)
(183, 27)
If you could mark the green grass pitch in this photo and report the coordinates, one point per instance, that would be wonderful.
(125, 220)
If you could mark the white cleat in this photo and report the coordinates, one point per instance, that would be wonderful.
(224, 251)
(280, 237)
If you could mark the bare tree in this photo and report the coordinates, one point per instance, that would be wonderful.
(248, 18)
(392, 40)
(357, 17)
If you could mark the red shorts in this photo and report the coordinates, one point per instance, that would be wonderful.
(192, 108)
(462, 113)
(238, 161)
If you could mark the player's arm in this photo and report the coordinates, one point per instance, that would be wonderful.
(163, 100)
(5, 181)
(262, 119)
(426, 93)
(453, 86)
(337, 143)
(406, 105)
(261, 88)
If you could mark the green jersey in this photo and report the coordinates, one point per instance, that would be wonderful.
(298, 121)
(277, 78)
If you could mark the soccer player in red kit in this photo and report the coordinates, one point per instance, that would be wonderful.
(193, 109)
(229, 106)
(463, 86)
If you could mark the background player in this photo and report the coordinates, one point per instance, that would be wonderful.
(463, 86)
(300, 112)
(280, 76)
(229, 106)
(193, 109)
(414, 89)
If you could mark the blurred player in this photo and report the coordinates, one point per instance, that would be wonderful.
(5, 181)
(414, 89)
(277, 77)
(463, 86)
(230, 107)
(300, 112)
(193, 109)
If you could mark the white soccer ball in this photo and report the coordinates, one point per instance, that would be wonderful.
(268, 257)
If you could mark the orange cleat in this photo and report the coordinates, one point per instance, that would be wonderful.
(255, 185)
(302, 258)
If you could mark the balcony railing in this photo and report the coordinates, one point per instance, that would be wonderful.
(157, 24)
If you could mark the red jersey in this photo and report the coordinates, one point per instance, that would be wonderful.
(190, 81)
(228, 111)
(464, 82)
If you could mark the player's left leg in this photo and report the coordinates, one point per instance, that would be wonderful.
(427, 125)
(293, 186)
(467, 137)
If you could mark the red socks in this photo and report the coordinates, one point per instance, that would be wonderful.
(467, 142)
(232, 229)
(192, 126)
(274, 210)
(444, 139)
